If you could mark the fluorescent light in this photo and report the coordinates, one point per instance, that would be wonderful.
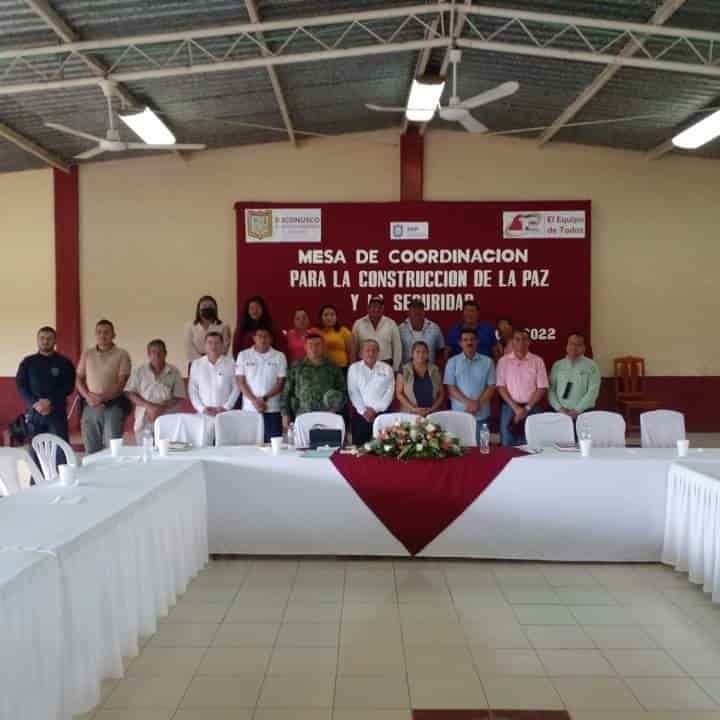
(700, 133)
(149, 127)
(425, 95)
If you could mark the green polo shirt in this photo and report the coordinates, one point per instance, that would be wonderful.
(584, 374)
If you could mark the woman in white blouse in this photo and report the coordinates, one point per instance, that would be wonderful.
(206, 320)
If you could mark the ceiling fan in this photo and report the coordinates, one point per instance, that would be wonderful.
(459, 110)
(112, 142)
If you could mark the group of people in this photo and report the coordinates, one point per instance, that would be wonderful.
(358, 372)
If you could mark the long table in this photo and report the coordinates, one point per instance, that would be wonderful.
(692, 530)
(547, 506)
(123, 546)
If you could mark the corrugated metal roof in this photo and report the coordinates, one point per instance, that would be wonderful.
(225, 108)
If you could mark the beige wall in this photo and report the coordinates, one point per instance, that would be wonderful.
(655, 249)
(157, 232)
(27, 263)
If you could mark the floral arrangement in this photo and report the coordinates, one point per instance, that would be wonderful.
(414, 440)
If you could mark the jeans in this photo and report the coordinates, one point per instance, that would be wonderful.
(272, 422)
(506, 416)
(101, 424)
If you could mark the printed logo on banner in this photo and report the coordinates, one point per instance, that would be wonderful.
(283, 226)
(409, 230)
(532, 224)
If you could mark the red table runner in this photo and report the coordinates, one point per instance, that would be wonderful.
(417, 499)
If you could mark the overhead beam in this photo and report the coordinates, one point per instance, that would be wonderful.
(660, 17)
(272, 73)
(33, 148)
(659, 150)
(248, 63)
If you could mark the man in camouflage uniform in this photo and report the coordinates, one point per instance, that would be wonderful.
(313, 384)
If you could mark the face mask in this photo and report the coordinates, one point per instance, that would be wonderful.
(208, 313)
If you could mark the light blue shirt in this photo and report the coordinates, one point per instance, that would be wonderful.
(430, 334)
(471, 376)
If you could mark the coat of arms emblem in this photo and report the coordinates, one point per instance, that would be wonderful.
(259, 224)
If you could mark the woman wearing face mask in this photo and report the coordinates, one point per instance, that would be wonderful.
(206, 320)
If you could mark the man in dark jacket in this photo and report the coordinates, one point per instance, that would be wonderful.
(44, 380)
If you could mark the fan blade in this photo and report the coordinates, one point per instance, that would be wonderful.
(471, 124)
(170, 148)
(383, 108)
(70, 131)
(90, 153)
(501, 91)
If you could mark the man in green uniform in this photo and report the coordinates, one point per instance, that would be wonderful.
(574, 380)
(313, 384)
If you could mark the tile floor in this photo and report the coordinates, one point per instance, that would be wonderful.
(368, 640)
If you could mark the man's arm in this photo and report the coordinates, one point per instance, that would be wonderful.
(248, 394)
(287, 393)
(537, 396)
(353, 389)
(590, 397)
(486, 395)
(456, 394)
(194, 392)
(22, 381)
(553, 398)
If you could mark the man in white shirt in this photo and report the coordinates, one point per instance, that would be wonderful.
(261, 372)
(212, 387)
(371, 386)
(377, 326)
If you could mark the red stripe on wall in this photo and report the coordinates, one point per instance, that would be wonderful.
(67, 262)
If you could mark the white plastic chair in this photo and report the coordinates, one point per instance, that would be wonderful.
(17, 469)
(238, 427)
(193, 428)
(45, 446)
(387, 419)
(661, 428)
(461, 424)
(607, 429)
(309, 421)
(547, 428)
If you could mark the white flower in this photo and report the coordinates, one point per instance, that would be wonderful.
(413, 434)
(430, 427)
(419, 446)
(387, 448)
(367, 446)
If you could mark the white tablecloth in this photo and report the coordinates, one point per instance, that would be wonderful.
(124, 553)
(692, 530)
(30, 636)
(550, 506)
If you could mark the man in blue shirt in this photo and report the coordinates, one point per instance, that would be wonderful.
(44, 380)
(470, 380)
(484, 331)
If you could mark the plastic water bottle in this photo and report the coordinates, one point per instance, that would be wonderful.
(147, 444)
(291, 436)
(484, 439)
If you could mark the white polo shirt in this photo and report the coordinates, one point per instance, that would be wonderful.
(262, 371)
(212, 385)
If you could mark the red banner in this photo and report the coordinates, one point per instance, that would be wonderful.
(526, 260)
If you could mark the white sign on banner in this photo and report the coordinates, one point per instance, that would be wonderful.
(283, 225)
(537, 224)
(409, 230)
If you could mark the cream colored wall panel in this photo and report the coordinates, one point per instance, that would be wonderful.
(27, 262)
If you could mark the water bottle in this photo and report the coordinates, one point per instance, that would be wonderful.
(291, 436)
(147, 444)
(484, 439)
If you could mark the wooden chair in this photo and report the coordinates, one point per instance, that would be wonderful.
(630, 389)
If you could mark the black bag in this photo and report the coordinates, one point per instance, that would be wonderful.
(19, 430)
(320, 437)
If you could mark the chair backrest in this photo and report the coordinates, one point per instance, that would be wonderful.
(661, 428)
(193, 428)
(461, 424)
(307, 421)
(387, 419)
(607, 429)
(629, 376)
(46, 446)
(17, 469)
(547, 428)
(238, 427)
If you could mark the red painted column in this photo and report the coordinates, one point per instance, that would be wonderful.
(67, 263)
(412, 146)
